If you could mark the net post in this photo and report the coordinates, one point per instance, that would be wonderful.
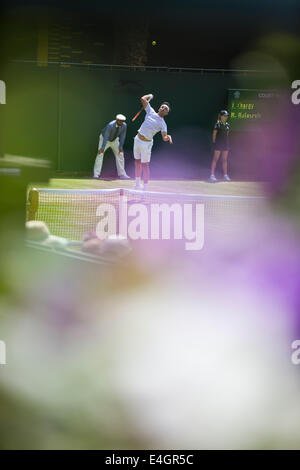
(33, 199)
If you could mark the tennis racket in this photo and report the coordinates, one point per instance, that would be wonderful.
(137, 114)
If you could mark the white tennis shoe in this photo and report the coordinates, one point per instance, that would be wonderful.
(213, 179)
(226, 178)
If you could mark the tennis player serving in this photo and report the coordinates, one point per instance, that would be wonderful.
(143, 141)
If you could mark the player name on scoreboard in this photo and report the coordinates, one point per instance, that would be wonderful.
(239, 110)
(249, 108)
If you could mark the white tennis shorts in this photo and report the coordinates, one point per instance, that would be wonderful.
(142, 150)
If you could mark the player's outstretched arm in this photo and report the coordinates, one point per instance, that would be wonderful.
(166, 137)
(145, 100)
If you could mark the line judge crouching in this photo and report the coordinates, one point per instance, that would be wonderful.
(112, 136)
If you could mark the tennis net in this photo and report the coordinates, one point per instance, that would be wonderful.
(71, 213)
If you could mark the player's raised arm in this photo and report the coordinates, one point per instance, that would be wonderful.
(145, 100)
(166, 137)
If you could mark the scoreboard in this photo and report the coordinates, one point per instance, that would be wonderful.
(249, 109)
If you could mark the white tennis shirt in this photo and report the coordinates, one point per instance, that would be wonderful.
(152, 124)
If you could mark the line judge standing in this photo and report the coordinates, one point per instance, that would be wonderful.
(112, 136)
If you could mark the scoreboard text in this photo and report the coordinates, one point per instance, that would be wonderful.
(248, 109)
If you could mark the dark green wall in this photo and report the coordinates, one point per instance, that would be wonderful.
(30, 115)
(57, 113)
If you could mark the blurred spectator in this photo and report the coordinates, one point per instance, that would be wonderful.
(38, 231)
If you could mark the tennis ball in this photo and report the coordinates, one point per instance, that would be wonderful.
(153, 43)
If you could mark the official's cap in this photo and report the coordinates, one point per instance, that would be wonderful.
(120, 117)
(224, 112)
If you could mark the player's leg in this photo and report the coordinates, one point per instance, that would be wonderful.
(145, 159)
(225, 164)
(146, 174)
(120, 161)
(214, 164)
(137, 162)
(138, 173)
(99, 159)
(138, 168)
